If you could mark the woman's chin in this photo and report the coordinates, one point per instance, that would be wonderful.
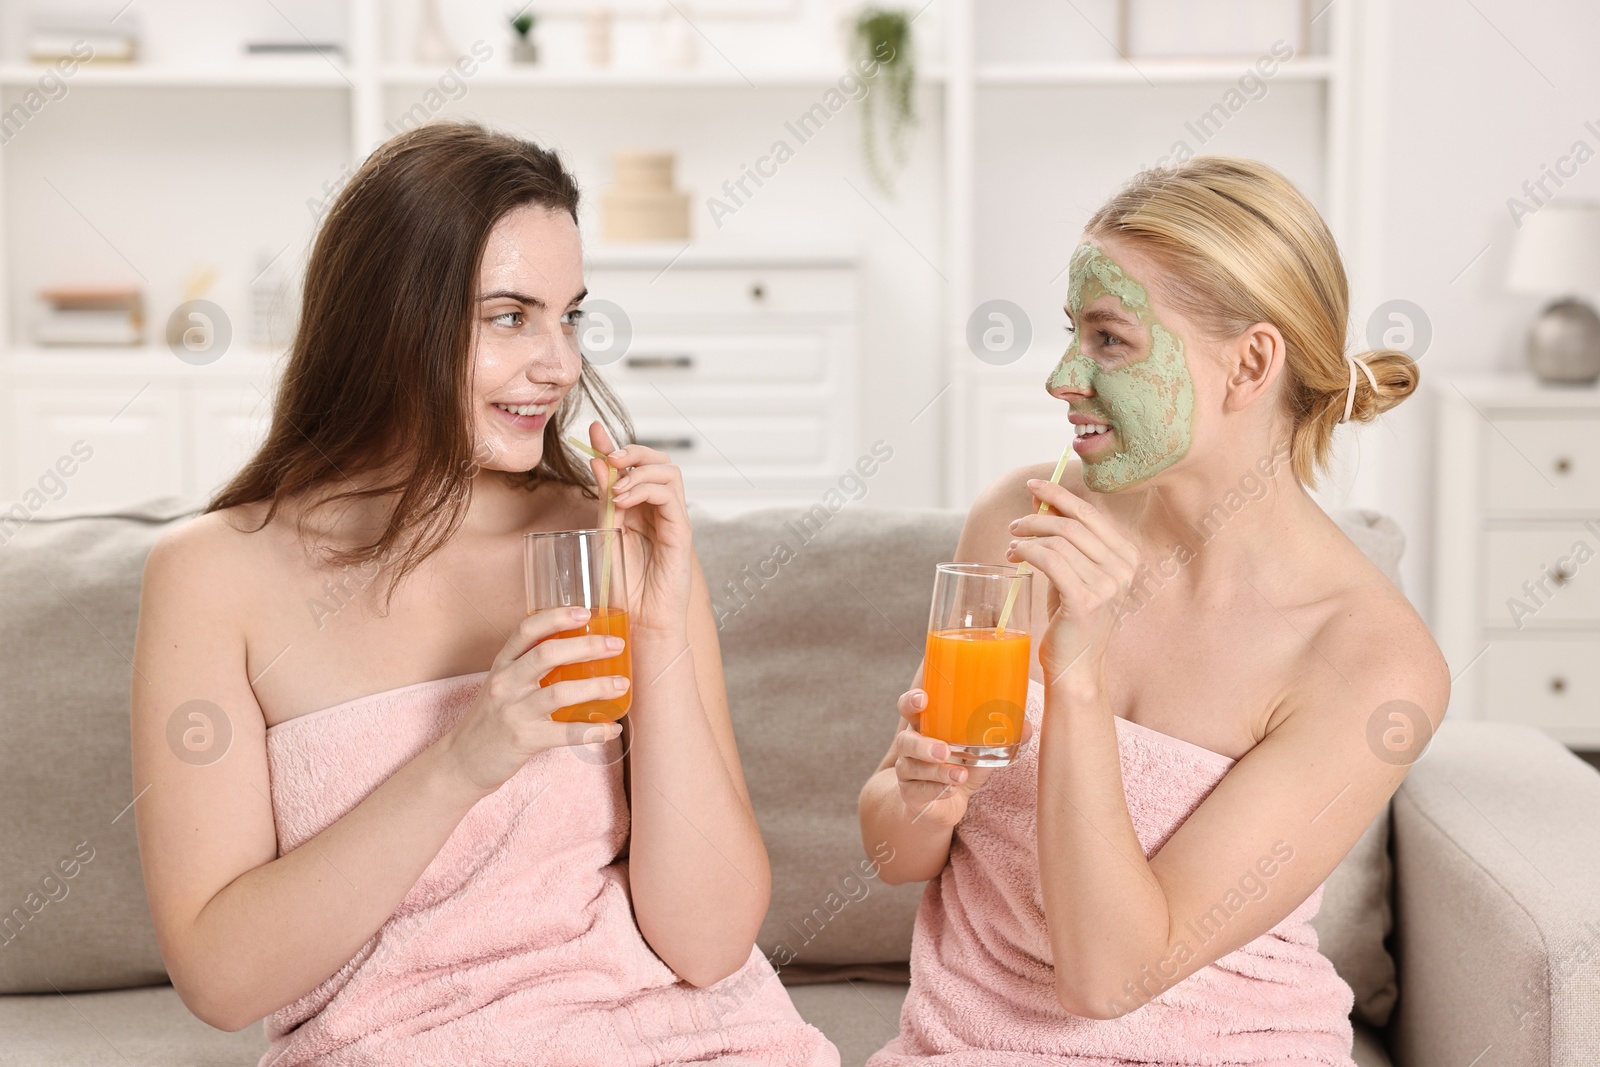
(510, 461)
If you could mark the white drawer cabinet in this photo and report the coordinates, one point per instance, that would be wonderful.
(694, 285)
(741, 367)
(675, 359)
(154, 426)
(129, 442)
(1551, 684)
(1543, 462)
(1517, 561)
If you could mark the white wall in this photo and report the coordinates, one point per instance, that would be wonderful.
(1460, 103)
(1467, 102)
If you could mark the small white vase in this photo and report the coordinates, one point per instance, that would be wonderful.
(676, 39)
(433, 46)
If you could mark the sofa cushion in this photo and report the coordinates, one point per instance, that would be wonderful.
(818, 642)
(115, 1029)
(75, 914)
(1357, 913)
(821, 618)
(821, 622)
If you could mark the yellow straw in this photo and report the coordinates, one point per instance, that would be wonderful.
(606, 523)
(1023, 570)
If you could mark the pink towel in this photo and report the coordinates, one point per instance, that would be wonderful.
(982, 981)
(517, 945)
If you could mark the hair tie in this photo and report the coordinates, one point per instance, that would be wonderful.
(1350, 393)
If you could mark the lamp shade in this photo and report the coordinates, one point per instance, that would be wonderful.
(1557, 251)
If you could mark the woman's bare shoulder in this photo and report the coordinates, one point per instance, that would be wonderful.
(1373, 637)
(214, 554)
(1006, 498)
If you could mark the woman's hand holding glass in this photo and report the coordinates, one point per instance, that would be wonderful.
(510, 721)
(934, 790)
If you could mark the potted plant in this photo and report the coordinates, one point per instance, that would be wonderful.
(883, 36)
(524, 49)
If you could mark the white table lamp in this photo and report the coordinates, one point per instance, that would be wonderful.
(1557, 253)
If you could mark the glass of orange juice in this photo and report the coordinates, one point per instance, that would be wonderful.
(976, 676)
(583, 568)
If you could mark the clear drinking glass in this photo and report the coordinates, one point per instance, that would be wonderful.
(583, 568)
(977, 678)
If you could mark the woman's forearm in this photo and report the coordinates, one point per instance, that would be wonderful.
(274, 933)
(697, 866)
(918, 848)
(1105, 911)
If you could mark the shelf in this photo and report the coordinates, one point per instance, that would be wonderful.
(144, 361)
(1158, 71)
(1515, 388)
(661, 254)
(537, 77)
(248, 72)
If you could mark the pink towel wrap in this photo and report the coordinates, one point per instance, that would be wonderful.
(518, 944)
(982, 981)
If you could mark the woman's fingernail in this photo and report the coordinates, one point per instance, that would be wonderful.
(1015, 523)
(580, 613)
(941, 752)
(614, 643)
(919, 701)
(619, 681)
(619, 453)
(958, 775)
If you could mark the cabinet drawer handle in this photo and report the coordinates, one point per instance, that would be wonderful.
(1558, 684)
(1563, 465)
(667, 444)
(758, 292)
(660, 362)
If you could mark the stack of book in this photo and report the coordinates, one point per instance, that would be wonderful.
(54, 35)
(91, 317)
(643, 205)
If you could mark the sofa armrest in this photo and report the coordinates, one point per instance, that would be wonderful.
(1497, 902)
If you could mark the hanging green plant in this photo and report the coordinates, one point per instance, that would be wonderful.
(883, 36)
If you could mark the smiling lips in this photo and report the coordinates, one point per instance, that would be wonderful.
(524, 409)
(1086, 425)
(1089, 435)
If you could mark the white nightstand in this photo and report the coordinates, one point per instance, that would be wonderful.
(1517, 559)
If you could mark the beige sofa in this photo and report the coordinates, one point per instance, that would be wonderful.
(1483, 879)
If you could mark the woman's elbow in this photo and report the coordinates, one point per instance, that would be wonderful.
(209, 996)
(708, 970)
(214, 1008)
(1087, 1004)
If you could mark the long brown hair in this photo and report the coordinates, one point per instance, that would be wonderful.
(379, 376)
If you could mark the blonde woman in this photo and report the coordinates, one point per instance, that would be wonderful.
(1213, 654)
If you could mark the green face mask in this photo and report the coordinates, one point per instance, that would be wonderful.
(1147, 397)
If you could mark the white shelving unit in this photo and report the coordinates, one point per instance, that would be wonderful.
(1011, 154)
(997, 417)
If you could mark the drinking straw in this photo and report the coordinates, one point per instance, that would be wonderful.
(606, 523)
(1023, 570)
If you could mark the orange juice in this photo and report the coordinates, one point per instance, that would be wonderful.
(609, 622)
(977, 684)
